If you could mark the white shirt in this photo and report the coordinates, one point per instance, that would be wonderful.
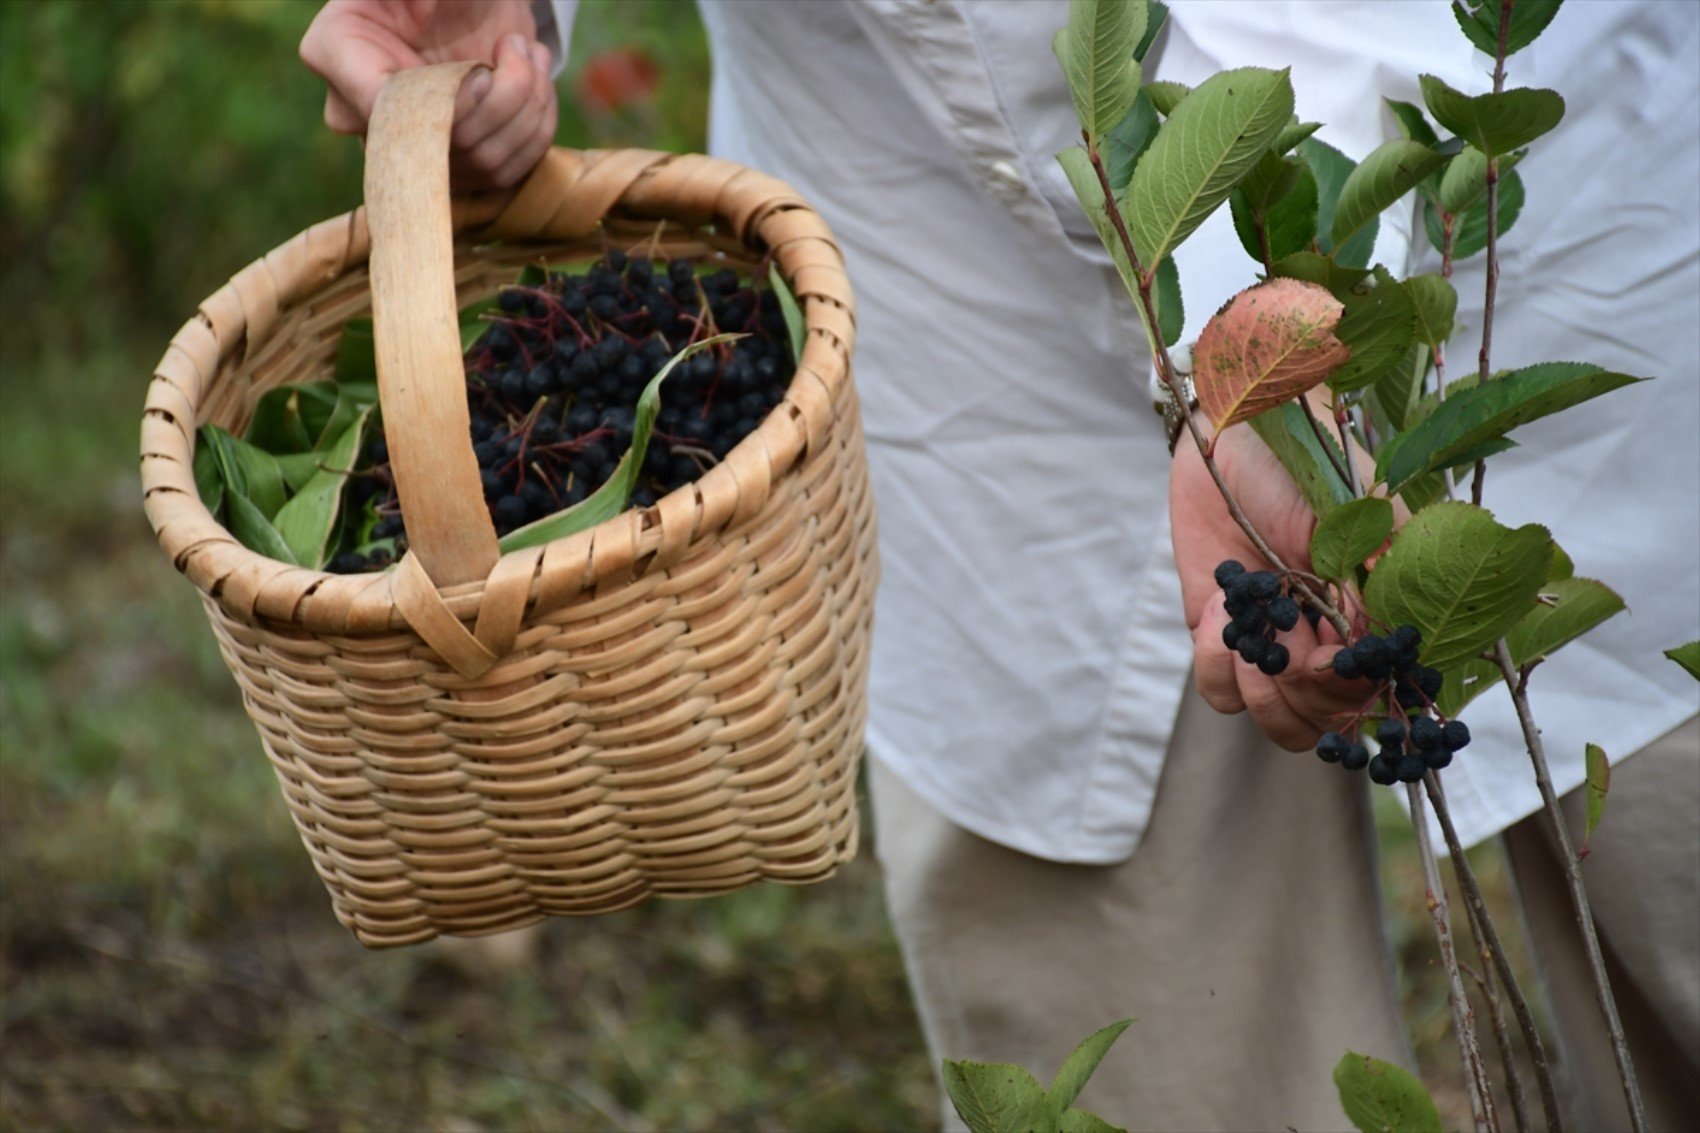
(1029, 649)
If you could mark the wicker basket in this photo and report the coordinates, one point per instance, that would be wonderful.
(669, 704)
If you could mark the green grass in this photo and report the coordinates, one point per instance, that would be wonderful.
(167, 957)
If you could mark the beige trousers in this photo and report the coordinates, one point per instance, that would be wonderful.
(1245, 935)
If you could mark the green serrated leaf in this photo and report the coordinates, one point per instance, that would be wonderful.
(356, 357)
(1422, 491)
(223, 448)
(1464, 181)
(1209, 143)
(1156, 15)
(1123, 146)
(254, 531)
(1079, 1065)
(1165, 96)
(353, 398)
(1077, 164)
(795, 326)
(1494, 123)
(1391, 396)
(298, 468)
(1599, 782)
(1460, 578)
(1379, 1097)
(278, 424)
(1096, 52)
(1348, 535)
(1290, 437)
(1171, 314)
(1472, 416)
(1569, 608)
(246, 471)
(1562, 566)
(1380, 327)
(1480, 22)
(472, 324)
(1332, 168)
(1688, 656)
(307, 520)
(209, 485)
(1269, 179)
(615, 495)
(1081, 1121)
(1435, 301)
(1469, 233)
(1388, 173)
(995, 1097)
(1288, 224)
(1411, 122)
(1292, 134)
(1469, 457)
(1341, 282)
(262, 477)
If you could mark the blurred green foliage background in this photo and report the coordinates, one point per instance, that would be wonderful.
(167, 957)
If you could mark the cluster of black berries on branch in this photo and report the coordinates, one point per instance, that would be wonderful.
(1413, 738)
(1259, 607)
(553, 384)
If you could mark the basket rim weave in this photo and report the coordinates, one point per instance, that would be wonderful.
(566, 197)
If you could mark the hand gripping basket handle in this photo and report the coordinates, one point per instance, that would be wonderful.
(416, 332)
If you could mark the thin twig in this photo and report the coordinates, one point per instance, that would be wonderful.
(1463, 1015)
(1342, 422)
(1348, 474)
(1166, 371)
(1493, 951)
(1492, 240)
(1486, 984)
(1578, 893)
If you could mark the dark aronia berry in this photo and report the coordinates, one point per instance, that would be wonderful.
(1426, 733)
(1383, 771)
(552, 390)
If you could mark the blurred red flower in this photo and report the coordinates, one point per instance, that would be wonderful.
(615, 79)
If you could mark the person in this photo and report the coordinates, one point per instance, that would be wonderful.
(1070, 835)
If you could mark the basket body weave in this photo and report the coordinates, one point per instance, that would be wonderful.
(669, 704)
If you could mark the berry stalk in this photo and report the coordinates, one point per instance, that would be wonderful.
(1578, 892)
(1463, 1015)
(1487, 938)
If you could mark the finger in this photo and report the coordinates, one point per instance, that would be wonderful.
(1320, 696)
(1266, 700)
(509, 93)
(518, 147)
(354, 65)
(515, 169)
(1213, 663)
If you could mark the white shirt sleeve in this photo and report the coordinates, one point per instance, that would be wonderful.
(555, 28)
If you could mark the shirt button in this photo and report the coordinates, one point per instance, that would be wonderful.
(1006, 175)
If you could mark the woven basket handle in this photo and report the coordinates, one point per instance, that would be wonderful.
(416, 330)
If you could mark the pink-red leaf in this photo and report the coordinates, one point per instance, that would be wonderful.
(1269, 344)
